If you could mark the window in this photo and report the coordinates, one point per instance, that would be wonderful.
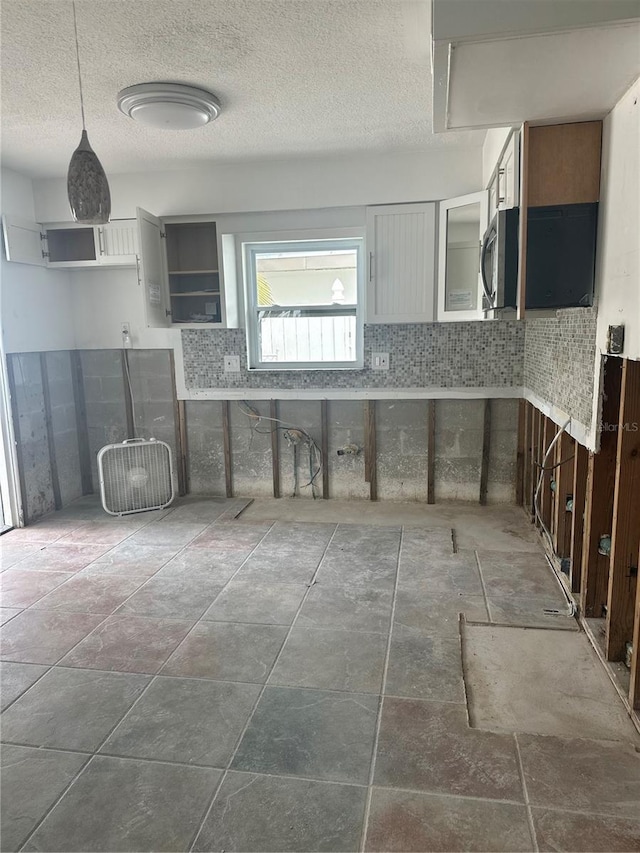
(304, 303)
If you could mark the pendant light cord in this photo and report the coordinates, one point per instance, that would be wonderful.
(75, 28)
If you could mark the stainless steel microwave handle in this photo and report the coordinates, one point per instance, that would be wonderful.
(488, 241)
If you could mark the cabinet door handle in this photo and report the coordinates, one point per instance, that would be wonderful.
(100, 241)
(499, 198)
(370, 266)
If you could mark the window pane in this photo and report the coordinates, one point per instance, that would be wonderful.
(323, 277)
(307, 339)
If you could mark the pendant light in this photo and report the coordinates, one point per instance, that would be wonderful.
(87, 185)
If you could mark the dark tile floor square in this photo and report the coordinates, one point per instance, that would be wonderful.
(246, 601)
(229, 535)
(581, 775)
(332, 660)
(452, 575)
(227, 651)
(185, 720)
(425, 667)
(129, 644)
(409, 822)
(98, 533)
(311, 733)
(437, 614)
(123, 805)
(44, 636)
(90, 594)
(172, 598)
(356, 608)
(13, 552)
(347, 570)
(62, 556)
(133, 559)
(429, 746)
(15, 678)
(165, 534)
(269, 814)
(284, 564)
(525, 575)
(32, 780)
(22, 589)
(571, 831)
(7, 613)
(193, 563)
(71, 709)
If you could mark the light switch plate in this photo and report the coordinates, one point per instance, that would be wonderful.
(380, 361)
(232, 364)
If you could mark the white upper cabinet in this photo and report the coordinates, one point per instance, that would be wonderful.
(401, 241)
(504, 186)
(69, 245)
(187, 273)
(463, 221)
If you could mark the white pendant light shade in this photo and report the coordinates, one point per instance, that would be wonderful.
(87, 186)
(168, 106)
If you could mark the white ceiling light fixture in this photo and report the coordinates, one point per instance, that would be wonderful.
(169, 106)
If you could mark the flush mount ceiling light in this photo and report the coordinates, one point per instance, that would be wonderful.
(87, 185)
(169, 106)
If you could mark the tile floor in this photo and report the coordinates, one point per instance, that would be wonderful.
(191, 681)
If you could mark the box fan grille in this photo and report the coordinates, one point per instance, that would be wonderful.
(135, 475)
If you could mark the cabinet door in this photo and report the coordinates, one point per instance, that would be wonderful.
(508, 174)
(463, 221)
(23, 241)
(401, 247)
(153, 269)
(118, 242)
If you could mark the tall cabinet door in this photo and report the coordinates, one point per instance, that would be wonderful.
(153, 269)
(463, 221)
(401, 242)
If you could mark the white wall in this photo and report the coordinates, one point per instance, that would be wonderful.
(494, 142)
(35, 303)
(283, 185)
(618, 267)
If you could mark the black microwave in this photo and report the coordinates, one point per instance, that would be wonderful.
(499, 261)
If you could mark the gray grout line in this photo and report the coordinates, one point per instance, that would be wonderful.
(532, 829)
(374, 751)
(484, 589)
(261, 693)
(151, 680)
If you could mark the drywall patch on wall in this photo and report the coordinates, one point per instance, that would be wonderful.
(422, 355)
(559, 358)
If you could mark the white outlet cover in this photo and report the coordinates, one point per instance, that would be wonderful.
(380, 361)
(232, 364)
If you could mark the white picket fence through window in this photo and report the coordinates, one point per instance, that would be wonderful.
(308, 339)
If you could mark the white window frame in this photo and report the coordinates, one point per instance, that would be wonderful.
(338, 238)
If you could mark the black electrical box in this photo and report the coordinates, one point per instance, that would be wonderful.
(561, 254)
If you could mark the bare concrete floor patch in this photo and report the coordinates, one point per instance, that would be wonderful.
(541, 682)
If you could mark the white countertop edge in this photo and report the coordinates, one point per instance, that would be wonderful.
(475, 393)
(582, 434)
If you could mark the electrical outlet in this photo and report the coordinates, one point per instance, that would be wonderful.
(380, 361)
(232, 364)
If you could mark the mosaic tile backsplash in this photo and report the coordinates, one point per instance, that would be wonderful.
(559, 358)
(422, 355)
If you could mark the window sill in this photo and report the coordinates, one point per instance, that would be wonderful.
(315, 368)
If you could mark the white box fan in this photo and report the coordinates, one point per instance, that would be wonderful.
(135, 475)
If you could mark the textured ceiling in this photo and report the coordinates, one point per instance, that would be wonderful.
(295, 78)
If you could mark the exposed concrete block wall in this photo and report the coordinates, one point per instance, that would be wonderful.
(251, 450)
(346, 473)
(151, 373)
(205, 460)
(401, 431)
(30, 425)
(104, 392)
(64, 425)
(401, 435)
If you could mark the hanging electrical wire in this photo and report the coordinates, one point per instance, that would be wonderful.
(294, 436)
